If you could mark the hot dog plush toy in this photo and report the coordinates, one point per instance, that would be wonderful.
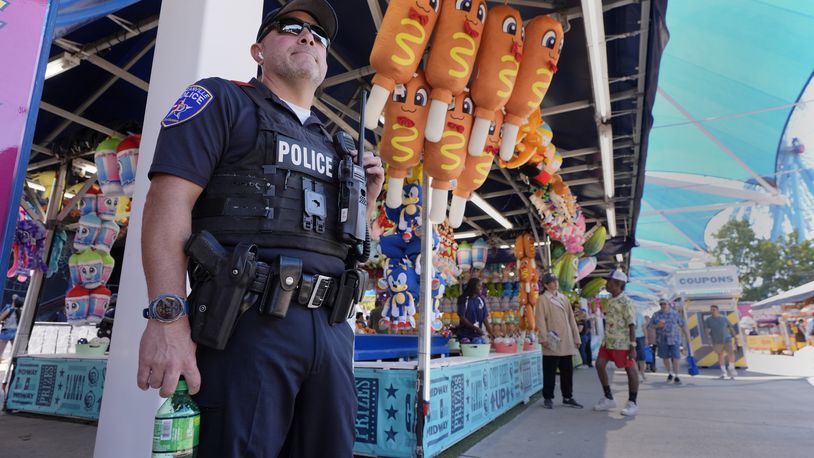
(495, 70)
(405, 117)
(397, 51)
(444, 160)
(541, 52)
(476, 169)
(452, 57)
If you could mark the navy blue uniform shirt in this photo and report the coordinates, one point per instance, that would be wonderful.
(214, 122)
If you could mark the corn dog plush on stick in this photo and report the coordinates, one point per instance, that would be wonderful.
(495, 70)
(405, 116)
(476, 169)
(455, 45)
(541, 52)
(397, 51)
(444, 160)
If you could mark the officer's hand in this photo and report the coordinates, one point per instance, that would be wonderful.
(374, 171)
(166, 352)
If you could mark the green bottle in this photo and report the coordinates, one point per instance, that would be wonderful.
(177, 423)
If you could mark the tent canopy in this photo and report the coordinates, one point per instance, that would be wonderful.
(732, 135)
(798, 294)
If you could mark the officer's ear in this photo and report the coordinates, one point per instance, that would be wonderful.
(257, 53)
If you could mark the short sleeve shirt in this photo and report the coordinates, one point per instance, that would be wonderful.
(10, 323)
(215, 122)
(670, 334)
(639, 323)
(619, 315)
(473, 309)
(719, 329)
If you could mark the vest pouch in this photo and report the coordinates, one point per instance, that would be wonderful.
(219, 298)
(284, 276)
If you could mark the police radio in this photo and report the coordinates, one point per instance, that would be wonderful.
(353, 190)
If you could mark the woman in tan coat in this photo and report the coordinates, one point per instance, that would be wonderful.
(559, 337)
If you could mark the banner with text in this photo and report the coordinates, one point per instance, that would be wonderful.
(463, 398)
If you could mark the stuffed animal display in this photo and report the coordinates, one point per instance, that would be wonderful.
(508, 70)
(528, 277)
(27, 249)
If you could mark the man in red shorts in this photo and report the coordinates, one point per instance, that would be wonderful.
(619, 344)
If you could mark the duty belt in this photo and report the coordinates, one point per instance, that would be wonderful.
(313, 290)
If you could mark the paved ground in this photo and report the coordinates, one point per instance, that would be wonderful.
(755, 415)
(760, 414)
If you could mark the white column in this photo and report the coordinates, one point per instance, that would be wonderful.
(196, 39)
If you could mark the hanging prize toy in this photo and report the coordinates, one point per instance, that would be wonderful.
(89, 265)
(89, 226)
(107, 236)
(98, 301)
(496, 71)
(127, 158)
(452, 58)
(107, 167)
(476, 169)
(108, 263)
(397, 51)
(77, 301)
(541, 52)
(405, 118)
(444, 160)
(106, 206)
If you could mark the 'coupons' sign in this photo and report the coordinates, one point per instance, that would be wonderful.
(713, 281)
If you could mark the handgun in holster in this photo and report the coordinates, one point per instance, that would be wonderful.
(220, 287)
(349, 291)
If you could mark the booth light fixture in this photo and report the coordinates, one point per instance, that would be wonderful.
(598, 56)
(61, 64)
(606, 152)
(466, 235)
(35, 186)
(610, 212)
(491, 211)
(84, 167)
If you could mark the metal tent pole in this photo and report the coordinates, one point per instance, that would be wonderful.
(35, 283)
(424, 337)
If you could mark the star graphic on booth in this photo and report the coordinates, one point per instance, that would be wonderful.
(391, 412)
(391, 391)
(391, 434)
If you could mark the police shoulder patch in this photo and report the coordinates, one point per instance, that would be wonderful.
(191, 103)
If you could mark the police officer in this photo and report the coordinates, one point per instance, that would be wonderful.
(250, 161)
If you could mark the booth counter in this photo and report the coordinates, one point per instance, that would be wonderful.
(465, 394)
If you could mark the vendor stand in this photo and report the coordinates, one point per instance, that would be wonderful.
(695, 291)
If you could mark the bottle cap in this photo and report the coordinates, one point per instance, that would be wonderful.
(182, 385)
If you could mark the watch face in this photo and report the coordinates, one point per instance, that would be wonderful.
(168, 308)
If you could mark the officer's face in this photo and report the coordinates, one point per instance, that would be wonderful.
(294, 57)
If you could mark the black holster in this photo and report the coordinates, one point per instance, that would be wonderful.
(349, 292)
(220, 287)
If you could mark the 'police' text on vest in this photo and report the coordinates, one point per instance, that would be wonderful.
(295, 155)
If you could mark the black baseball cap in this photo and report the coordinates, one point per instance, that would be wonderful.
(321, 10)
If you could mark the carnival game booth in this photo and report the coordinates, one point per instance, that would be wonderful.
(101, 53)
(695, 291)
(785, 309)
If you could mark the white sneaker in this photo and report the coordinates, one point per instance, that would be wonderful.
(732, 372)
(605, 404)
(630, 409)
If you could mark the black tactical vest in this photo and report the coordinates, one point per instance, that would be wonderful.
(284, 194)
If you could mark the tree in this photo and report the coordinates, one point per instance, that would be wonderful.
(765, 267)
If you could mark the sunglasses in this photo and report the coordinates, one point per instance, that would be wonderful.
(294, 26)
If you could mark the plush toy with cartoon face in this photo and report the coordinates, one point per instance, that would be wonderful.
(444, 160)
(451, 61)
(400, 306)
(541, 52)
(398, 49)
(405, 118)
(496, 69)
